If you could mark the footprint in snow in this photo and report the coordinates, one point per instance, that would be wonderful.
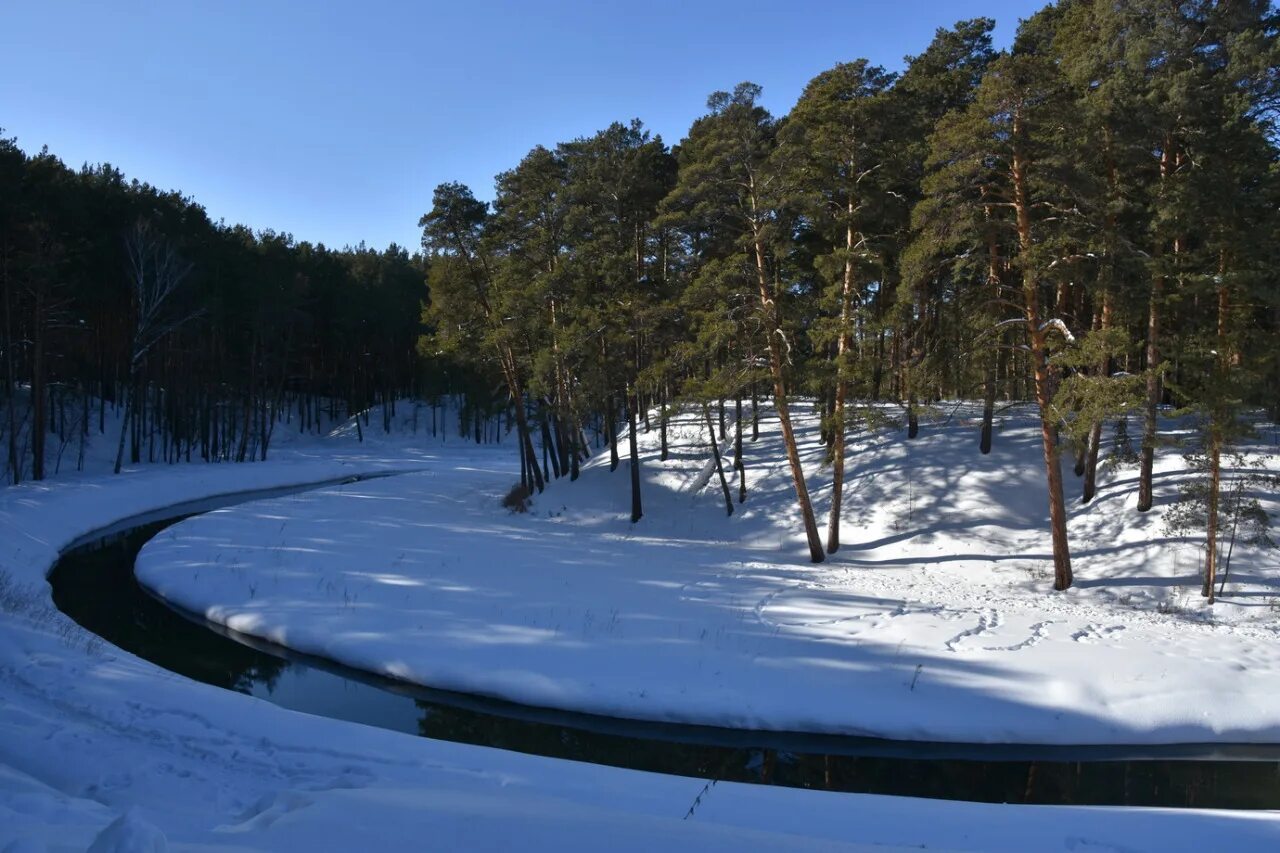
(989, 620)
(1092, 633)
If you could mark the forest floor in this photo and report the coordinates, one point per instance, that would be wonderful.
(935, 619)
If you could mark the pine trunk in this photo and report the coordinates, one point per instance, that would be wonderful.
(38, 403)
(842, 389)
(611, 424)
(1145, 493)
(11, 384)
(1211, 543)
(1095, 434)
(1062, 575)
(768, 305)
(738, 463)
(636, 510)
(715, 453)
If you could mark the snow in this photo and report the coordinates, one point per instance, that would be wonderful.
(100, 748)
(934, 622)
(130, 834)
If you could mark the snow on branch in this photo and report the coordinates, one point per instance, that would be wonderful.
(1067, 259)
(1058, 324)
(783, 335)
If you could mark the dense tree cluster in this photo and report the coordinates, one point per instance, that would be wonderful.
(1087, 222)
(119, 296)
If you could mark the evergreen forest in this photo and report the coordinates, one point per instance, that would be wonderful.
(1086, 224)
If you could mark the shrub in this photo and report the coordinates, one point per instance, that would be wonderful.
(517, 500)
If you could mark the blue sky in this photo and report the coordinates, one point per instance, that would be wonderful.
(334, 122)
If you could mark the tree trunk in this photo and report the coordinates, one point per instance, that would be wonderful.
(550, 453)
(611, 424)
(38, 402)
(1149, 426)
(1225, 359)
(1211, 544)
(768, 305)
(715, 453)
(11, 381)
(575, 461)
(738, 463)
(1091, 463)
(1104, 322)
(842, 389)
(124, 431)
(755, 412)
(988, 404)
(994, 280)
(662, 422)
(1062, 575)
(1145, 493)
(1095, 434)
(507, 360)
(524, 467)
(636, 510)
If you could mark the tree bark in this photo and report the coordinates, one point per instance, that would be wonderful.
(611, 424)
(1149, 425)
(769, 306)
(38, 402)
(715, 453)
(843, 347)
(988, 404)
(1145, 493)
(1062, 574)
(1211, 543)
(1225, 359)
(738, 463)
(1095, 434)
(637, 511)
(662, 422)
(11, 381)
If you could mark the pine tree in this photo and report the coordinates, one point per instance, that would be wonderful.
(730, 178)
(469, 298)
(1010, 151)
(838, 141)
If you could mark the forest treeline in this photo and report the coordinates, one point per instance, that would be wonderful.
(118, 297)
(1086, 223)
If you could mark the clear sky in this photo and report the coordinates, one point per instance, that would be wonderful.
(335, 121)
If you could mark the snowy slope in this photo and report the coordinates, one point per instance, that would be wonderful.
(934, 621)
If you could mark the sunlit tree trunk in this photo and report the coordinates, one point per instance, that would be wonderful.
(768, 305)
(838, 426)
(1062, 575)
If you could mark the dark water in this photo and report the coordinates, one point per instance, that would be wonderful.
(95, 586)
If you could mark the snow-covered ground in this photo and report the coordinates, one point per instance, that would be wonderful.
(935, 621)
(95, 744)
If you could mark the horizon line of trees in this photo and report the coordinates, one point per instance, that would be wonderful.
(1087, 221)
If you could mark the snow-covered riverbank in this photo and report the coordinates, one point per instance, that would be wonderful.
(90, 736)
(934, 622)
